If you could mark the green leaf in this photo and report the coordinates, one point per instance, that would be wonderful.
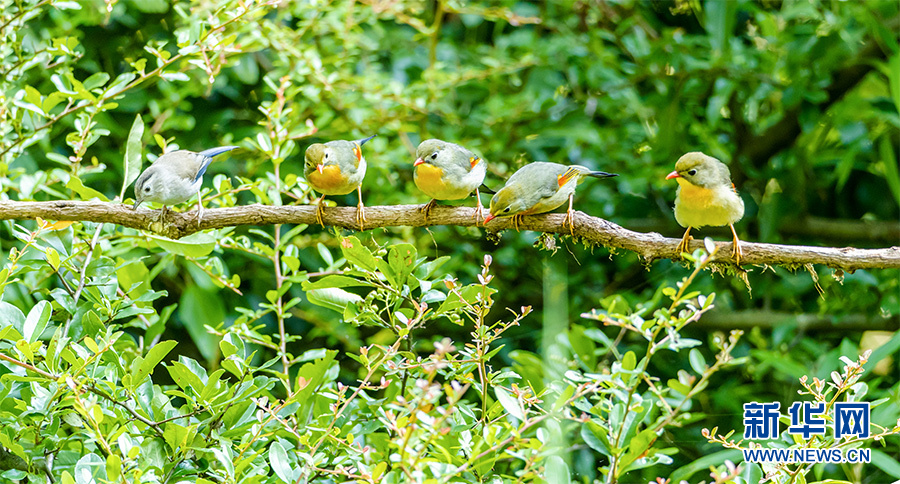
(886, 463)
(596, 437)
(402, 259)
(509, 403)
(184, 377)
(11, 316)
(698, 363)
(333, 281)
(113, 467)
(355, 252)
(86, 193)
(629, 361)
(195, 245)
(332, 298)
(132, 154)
(142, 367)
(279, 460)
(312, 375)
(556, 470)
(36, 321)
(98, 79)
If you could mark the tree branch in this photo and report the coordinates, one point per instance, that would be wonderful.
(841, 231)
(592, 230)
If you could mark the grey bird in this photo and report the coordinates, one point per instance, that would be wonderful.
(175, 177)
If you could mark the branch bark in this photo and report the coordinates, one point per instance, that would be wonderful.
(840, 231)
(592, 230)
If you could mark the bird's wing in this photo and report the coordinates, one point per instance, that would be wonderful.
(347, 154)
(542, 177)
(182, 163)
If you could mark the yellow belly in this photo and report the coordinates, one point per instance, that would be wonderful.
(430, 179)
(330, 182)
(699, 207)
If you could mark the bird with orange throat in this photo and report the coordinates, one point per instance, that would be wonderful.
(705, 196)
(337, 168)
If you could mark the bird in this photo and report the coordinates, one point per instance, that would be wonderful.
(447, 171)
(175, 177)
(540, 187)
(337, 168)
(705, 196)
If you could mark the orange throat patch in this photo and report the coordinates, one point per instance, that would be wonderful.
(430, 178)
(330, 178)
(694, 196)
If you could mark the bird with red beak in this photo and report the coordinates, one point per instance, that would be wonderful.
(337, 168)
(705, 197)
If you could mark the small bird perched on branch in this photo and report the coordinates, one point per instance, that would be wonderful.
(540, 187)
(705, 196)
(175, 177)
(337, 168)
(447, 171)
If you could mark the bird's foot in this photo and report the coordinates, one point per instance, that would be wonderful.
(684, 245)
(320, 213)
(361, 215)
(737, 252)
(478, 215)
(426, 209)
(517, 218)
(570, 221)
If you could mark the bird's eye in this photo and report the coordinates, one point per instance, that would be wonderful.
(692, 172)
(506, 210)
(326, 156)
(146, 189)
(434, 155)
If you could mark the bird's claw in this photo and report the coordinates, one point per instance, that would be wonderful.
(684, 245)
(570, 221)
(426, 209)
(736, 251)
(320, 212)
(517, 218)
(478, 215)
(361, 215)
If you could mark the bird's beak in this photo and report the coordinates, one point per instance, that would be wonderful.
(418, 162)
(319, 167)
(674, 174)
(137, 203)
(489, 218)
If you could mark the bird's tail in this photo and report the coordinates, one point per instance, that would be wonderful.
(485, 189)
(600, 174)
(207, 156)
(578, 171)
(363, 141)
(212, 152)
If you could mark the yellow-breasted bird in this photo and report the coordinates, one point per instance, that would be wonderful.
(540, 187)
(447, 171)
(705, 196)
(337, 168)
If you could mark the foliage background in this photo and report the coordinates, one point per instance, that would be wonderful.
(800, 98)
